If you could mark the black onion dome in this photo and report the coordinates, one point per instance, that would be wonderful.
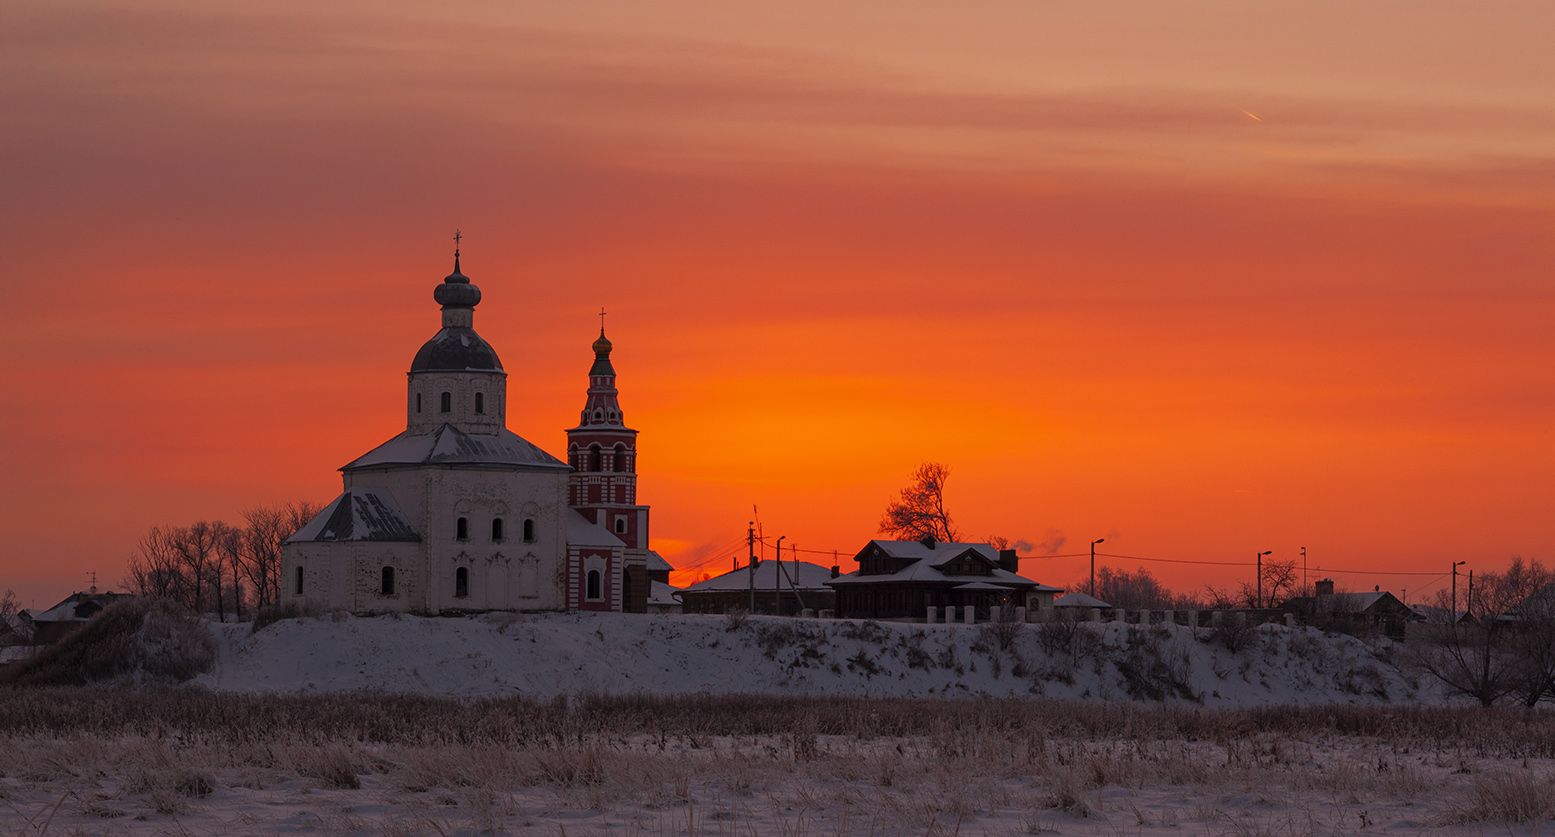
(456, 349)
(456, 290)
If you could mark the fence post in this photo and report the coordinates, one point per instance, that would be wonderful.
(933, 615)
(1020, 614)
(970, 615)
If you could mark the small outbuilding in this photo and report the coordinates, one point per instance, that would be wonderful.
(1077, 600)
(786, 588)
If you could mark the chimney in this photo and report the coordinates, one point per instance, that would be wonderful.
(1008, 560)
(1323, 587)
(927, 540)
(835, 571)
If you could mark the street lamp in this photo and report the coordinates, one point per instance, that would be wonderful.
(1093, 564)
(1454, 614)
(1258, 602)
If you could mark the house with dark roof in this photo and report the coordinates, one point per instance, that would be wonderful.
(903, 579)
(50, 626)
(1377, 610)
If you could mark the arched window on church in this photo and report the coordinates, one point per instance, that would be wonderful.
(620, 459)
(386, 586)
(480, 403)
(620, 526)
(418, 402)
(448, 402)
(462, 583)
(496, 530)
(529, 530)
(594, 458)
(299, 581)
(591, 587)
(462, 529)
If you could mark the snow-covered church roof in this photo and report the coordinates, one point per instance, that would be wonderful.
(360, 514)
(448, 445)
(584, 532)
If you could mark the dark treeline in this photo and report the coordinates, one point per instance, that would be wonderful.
(211, 566)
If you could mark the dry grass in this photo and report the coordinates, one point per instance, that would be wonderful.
(1506, 797)
(719, 765)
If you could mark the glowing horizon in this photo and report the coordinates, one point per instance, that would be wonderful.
(1202, 281)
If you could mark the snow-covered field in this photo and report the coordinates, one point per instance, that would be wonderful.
(556, 654)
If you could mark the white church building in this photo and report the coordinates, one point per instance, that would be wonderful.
(459, 513)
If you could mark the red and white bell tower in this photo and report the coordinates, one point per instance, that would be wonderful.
(602, 451)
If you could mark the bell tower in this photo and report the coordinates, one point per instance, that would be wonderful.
(602, 451)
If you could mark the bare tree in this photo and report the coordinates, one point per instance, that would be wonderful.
(265, 529)
(1280, 582)
(1531, 625)
(155, 569)
(1137, 590)
(1477, 658)
(10, 621)
(920, 512)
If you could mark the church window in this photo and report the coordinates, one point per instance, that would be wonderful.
(386, 586)
(448, 402)
(418, 402)
(591, 591)
(529, 530)
(496, 529)
(598, 415)
(462, 529)
(620, 526)
(462, 583)
(299, 581)
(480, 403)
(620, 458)
(594, 458)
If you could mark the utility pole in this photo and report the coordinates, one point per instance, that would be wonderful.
(1455, 566)
(1304, 590)
(1258, 601)
(1093, 564)
(750, 563)
(777, 589)
(1468, 606)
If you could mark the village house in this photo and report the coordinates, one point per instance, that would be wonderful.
(786, 588)
(903, 579)
(47, 627)
(1378, 610)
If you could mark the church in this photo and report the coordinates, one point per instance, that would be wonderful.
(458, 513)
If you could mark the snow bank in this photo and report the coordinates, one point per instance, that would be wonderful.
(559, 654)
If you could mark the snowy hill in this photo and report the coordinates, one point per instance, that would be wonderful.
(555, 654)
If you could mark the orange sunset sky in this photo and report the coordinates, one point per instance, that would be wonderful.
(1202, 278)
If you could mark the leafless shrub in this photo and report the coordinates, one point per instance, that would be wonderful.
(735, 619)
(141, 638)
(1234, 633)
(1005, 631)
